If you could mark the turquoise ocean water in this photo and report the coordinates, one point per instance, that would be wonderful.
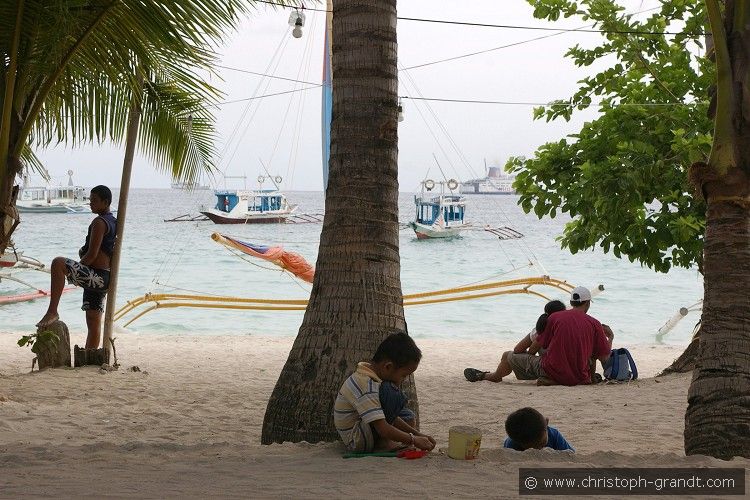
(181, 257)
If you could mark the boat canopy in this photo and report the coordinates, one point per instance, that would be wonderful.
(428, 211)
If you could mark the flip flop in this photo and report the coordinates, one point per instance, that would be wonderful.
(474, 375)
(371, 454)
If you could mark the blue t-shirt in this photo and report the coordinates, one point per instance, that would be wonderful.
(555, 440)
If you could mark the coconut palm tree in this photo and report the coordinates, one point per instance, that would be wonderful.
(717, 421)
(356, 297)
(68, 72)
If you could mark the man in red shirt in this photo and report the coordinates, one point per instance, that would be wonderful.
(572, 338)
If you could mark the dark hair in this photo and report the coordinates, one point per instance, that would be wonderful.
(525, 427)
(102, 192)
(554, 306)
(550, 307)
(398, 348)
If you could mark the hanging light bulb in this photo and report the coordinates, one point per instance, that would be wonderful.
(400, 111)
(297, 21)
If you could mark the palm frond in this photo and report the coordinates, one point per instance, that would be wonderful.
(77, 72)
(32, 162)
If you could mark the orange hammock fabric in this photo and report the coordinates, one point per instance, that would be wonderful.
(289, 261)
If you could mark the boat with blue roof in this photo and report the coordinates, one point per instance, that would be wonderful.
(439, 215)
(243, 206)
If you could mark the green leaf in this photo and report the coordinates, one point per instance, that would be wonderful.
(622, 175)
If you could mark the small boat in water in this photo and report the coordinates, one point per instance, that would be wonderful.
(441, 215)
(50, 199)
(260, 206)
(190, 186)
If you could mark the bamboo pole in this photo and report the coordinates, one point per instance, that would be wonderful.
(122, 207)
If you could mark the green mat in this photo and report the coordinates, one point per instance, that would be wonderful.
(391, 454)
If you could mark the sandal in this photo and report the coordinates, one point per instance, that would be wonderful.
(474, 375)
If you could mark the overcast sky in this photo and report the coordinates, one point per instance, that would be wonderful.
(284, 131)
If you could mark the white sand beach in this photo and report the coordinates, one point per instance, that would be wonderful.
(188, 425)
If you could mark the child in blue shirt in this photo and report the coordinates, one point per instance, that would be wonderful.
(527, 428)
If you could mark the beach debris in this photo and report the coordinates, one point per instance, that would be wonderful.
(106, 368)
(114, 352)
(134, 368)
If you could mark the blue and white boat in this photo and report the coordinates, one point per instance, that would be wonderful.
(439, 215)
(243, 206)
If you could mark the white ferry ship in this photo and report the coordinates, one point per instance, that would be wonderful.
(495, 182)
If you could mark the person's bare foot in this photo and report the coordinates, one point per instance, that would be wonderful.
(48, 319)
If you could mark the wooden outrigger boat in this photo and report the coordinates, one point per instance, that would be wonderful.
(441, 215)
(261, 206)
(16, 261)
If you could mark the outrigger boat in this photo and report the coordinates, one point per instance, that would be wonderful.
(261, 206)
(52, 199)
(439, 216)
(16, 261)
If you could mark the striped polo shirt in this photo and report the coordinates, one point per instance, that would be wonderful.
(357, 406)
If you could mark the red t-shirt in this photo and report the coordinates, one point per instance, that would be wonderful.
(571, 338)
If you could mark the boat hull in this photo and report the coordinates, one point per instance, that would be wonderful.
(432, 232)
(249, 219)
(52, 209)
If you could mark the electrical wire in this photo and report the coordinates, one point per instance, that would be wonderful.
(510, 26)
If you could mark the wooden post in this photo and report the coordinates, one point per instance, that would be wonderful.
(122, 206)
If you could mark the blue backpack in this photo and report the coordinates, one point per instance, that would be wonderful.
(620, 366)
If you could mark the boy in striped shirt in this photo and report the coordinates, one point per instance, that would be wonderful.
(370, 411)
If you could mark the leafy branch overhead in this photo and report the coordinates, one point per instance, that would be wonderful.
(623, 177)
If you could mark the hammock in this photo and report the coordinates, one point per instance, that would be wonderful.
(288, 261)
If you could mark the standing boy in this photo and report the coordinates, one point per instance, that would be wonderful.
(91, 272)
(370, 412)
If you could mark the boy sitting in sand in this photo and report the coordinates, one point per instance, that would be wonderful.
(369, 412)
(527, 428)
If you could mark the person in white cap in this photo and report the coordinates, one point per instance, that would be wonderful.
(571, 339)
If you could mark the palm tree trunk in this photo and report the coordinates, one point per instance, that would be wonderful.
(9, 217)
(717, 421)
(356, 299)
(122, 206)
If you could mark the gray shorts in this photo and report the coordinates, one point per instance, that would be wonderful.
(525, 366)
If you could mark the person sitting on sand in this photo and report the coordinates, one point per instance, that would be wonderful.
(527, 345)
(529, 429)
(369, 412)
(571, 339)
(90, 273)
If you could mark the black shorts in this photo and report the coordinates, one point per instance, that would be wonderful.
(95, 283)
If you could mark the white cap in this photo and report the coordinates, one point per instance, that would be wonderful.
(580, 294)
